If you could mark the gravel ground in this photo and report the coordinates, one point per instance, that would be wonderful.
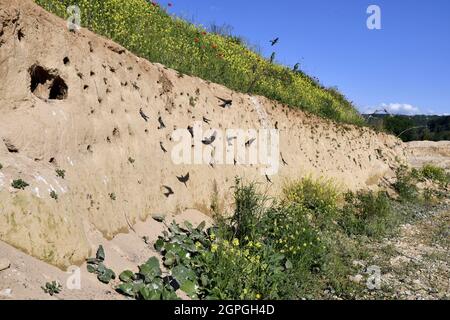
(412, 265)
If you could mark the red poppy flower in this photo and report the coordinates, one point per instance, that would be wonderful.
(196, 39)
(204, 33)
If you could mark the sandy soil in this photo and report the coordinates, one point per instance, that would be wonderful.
(429, 152)
(26, 275)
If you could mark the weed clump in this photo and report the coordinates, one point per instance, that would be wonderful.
(52, 288)
(19, 184)
(367, 213)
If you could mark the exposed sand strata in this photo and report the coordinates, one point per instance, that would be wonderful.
(429, 152)
(71, 101)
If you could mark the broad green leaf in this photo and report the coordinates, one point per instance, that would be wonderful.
(168, 294)
(169, 259)
(189, 226)
(175, 229)
(126, 276)
(189, 288)
(149, 294)
(150, 269)
(91, 268)
(101, 268)
(153, 262)
(100, 253)
(127, 289)
(183, 274)
(159, 245)
(93, 261)
(106, 276)
(201, 226)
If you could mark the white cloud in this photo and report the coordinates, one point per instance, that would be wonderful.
(400, 108)
(395, 108)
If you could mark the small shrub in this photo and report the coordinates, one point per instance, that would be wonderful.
(249, 209)
(1, 166)
(54, 195)
(319, 196)
(112, 196)
(435, 174)
(61, 173)
(263, 251)
(367, 213)
(19, 184)
(406, 185)
(96, 266)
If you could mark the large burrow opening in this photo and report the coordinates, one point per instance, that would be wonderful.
(47, 84)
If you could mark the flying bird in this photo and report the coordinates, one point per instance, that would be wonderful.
(210, 140)
(282, 159)
(191, 131)
(169, 191)
(184, 179)
(268, 179)
(162, 147)
(274, 41)
(226, 103)
(276, 125)
(249, 142)
(296, 67)
(205, 120)
(161, 123)
(143, 115)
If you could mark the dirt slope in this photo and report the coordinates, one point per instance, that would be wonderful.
(72, 101)
(429, 152)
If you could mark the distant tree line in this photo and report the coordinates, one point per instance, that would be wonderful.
(412, 128)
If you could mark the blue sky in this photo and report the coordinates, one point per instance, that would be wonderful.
(404, 67)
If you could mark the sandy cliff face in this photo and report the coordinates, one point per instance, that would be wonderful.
(75, 102)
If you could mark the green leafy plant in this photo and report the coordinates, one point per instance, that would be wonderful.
(406, 185)
(148, 283)
(52, 288)
(367, 213)
(319, 196)
(19, 184)
(96, 265)
(435, 173)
